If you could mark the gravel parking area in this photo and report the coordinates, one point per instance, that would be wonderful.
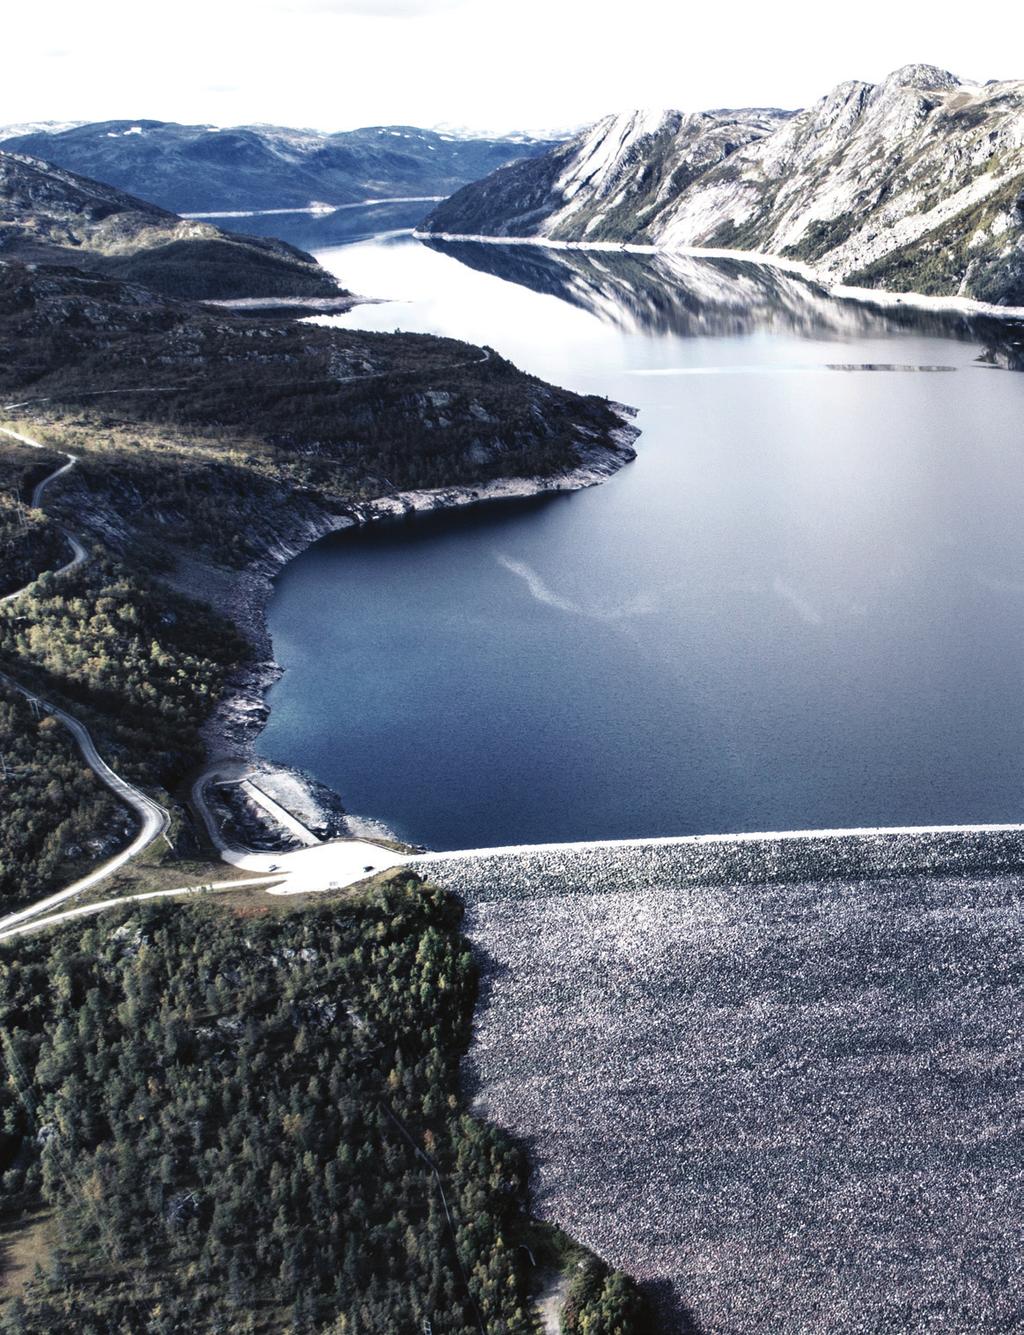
(788, 1105)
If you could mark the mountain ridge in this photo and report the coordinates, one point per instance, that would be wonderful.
(54, 216)
(202, 168)
(915, 184)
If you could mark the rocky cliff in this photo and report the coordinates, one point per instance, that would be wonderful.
(913, 184)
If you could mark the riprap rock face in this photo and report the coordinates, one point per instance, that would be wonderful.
(915, 184)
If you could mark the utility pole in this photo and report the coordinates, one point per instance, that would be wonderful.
(18, 512)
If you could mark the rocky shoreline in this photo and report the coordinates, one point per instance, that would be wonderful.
(240, 715)
(818, 274)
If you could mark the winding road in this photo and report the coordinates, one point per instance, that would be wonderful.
(78, 552)
(314, 867)
(338, 863)
(154, 819)
(101, 905)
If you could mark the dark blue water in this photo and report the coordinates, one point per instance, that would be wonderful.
(802, 606)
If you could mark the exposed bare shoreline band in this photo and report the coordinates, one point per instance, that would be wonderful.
(842, 291)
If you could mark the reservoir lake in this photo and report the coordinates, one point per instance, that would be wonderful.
(802, 606)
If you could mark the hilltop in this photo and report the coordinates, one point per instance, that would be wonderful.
(52, 216)
(912, 184)
(200, 168)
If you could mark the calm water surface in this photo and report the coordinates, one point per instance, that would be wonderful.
(802, 606)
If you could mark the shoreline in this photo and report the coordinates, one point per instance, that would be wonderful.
(316, 210)
(234, 726)
(231, 730)
(841, 291)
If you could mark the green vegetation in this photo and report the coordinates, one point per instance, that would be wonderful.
(748, 235)
(604, 1302)
(29, 542)
(436, 417)
(631, 216)
(823, 235)
(196, 427)
(139, 664)
(237, 1115)
(56, 817)
(221, 268)
(252, 1122)
(216, 437)
(55, 217)
(597, 1300)
(22, 466)
(959, 255)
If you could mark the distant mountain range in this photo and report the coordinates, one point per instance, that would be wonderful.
(201, 169)
(51, 216)
(913, 184)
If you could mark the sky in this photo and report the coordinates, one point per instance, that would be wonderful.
(484, 64)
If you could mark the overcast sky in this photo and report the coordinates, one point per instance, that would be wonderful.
(492, 64)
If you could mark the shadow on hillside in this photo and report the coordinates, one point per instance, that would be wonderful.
(672, 1316)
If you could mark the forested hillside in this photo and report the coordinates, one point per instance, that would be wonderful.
(141, 664)
(231, 1116)
(55, 816)
(54, 216)
(29, 541)
(251, 413)
(217, 437)
(250, 1120)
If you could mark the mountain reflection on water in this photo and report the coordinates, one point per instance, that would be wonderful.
(694, 296)
(801, 606)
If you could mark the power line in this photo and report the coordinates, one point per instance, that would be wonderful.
(444, 1201)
